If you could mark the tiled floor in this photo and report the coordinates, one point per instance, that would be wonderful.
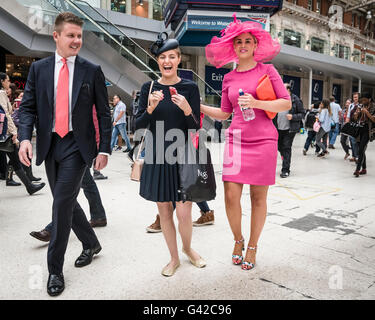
(318, 241)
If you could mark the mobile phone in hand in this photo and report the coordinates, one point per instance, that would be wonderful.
(172, 90)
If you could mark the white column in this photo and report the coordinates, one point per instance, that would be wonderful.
(310, 87)
(359, 85)
(129, 6)
(150, 9)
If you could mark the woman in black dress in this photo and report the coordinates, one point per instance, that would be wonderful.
(168, 116)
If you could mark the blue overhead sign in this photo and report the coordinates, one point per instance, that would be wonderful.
(214, 23)
(198, 29)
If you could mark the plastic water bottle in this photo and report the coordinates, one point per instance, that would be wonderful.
(247, 113)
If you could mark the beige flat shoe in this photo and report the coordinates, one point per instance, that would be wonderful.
(200, 263)
(169, 271)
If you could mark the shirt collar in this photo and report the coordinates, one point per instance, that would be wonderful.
(58, 58)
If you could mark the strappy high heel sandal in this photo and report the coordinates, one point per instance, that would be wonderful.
(237, 259)
(249, 265)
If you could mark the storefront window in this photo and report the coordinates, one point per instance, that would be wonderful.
(309, 4)
(292, 38)
(140, 8)
(356, 56)
(118, 5)
(157, 10)
(317, 45)
(342, 51)
(18, 68)
(370, 60)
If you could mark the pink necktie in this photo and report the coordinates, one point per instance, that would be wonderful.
(62, 101)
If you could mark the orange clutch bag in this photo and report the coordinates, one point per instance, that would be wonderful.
(265, 91)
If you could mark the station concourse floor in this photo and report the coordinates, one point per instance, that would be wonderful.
(318, 241)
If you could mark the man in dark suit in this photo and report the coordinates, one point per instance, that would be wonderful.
(58, 98)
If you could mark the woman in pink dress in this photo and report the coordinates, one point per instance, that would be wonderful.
(250, 146)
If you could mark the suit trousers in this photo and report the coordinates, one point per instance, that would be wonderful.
(65, 168)
(3, 163)
(284, 146)
(92, 195)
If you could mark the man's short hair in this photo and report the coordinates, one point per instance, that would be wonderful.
(66, 17)
(116, 95)
(356, 93)
(332, 99)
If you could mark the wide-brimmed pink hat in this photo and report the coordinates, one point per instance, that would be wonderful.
(221, 51)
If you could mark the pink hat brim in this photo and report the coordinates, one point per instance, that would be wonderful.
(220, 51)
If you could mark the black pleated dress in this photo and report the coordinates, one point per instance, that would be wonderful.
(159, 179)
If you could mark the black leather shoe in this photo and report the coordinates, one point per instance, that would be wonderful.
(98, 223)
(99, 176)
(43, 235)
(86, 256)
(55, 284)
(12, 183)
(127, 150)
(284, 174)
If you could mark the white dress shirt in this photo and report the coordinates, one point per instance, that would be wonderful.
(70, 61)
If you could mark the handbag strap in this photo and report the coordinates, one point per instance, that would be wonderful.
(144, 134)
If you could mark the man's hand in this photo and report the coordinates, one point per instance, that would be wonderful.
(289, 116)
(26, 152)
(101, 162)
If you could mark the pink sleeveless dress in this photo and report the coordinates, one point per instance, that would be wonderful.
(250, 154)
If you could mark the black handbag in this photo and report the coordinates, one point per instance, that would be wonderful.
(351, 129)
(196, 173)
(6, 143)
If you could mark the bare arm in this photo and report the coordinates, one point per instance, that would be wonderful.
(277, 105)
(215, 113)
(119, 116)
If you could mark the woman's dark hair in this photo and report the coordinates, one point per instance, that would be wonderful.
(326, 105)
(18, 92)
(316, 105)
(3, 76)
(366, 95)
(13, 94)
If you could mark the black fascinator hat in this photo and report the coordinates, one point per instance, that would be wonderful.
(163, 44)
